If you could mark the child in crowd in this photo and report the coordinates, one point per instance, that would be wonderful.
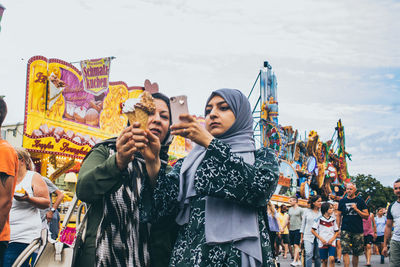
(273, 227)
(369, 236)
(338, 257)
(380, 222)
(283, 217)
(326, 230)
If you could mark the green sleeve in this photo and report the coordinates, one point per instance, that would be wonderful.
(98, 175)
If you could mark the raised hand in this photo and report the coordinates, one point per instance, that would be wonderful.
(151, 155)
(49, 216)
(151, 152)
(25, 197)
(128, 142)
(192, 130)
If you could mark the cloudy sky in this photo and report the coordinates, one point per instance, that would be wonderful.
(332, 59)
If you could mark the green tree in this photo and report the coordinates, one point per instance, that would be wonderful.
(378, 194)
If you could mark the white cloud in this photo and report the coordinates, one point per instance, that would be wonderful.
(390, 76)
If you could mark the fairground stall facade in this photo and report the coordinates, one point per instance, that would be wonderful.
(66, 114)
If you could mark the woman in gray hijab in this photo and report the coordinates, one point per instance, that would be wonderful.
(219, 192)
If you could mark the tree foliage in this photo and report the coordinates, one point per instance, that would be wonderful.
(379, 195)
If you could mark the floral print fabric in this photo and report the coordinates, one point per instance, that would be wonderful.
(222, 175)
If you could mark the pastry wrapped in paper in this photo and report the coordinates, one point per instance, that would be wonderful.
(139, 109)
(20, 193)
(56, 88)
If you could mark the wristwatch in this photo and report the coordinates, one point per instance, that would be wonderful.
(52, 209)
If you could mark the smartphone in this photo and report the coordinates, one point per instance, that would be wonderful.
(178, 106)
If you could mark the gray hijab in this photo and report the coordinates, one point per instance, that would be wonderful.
(226, 221)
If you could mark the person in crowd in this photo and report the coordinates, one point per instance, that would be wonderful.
(326, 230)
(283, 219)
(8, 174)
(374, 247)
(25, 222)
(369, 228)
(393, 221)
(50, 216)
(380, 222)
(273, 228)
(352, 209)
(338, 244)
(295, 218)
(218, 193)
(114, 181)
(278, 234)
(307, 238)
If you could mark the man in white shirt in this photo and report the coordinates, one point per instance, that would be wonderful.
(393, 215)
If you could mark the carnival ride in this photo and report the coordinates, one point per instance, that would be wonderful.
(307, 167)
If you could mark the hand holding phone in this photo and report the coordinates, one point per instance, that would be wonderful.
(188, 127)
(178, 106)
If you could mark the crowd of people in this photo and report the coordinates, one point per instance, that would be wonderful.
(332, 231)
(212, 208)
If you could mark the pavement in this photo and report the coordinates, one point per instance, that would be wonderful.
(375, 261)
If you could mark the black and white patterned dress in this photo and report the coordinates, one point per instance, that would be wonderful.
(122, 240)
(224, 175)
(117, 232)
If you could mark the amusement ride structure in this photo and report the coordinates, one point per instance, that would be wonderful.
(307, 167)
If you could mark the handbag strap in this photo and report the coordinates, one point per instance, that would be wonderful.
(80, 226)
(70, 211)
(27, 252)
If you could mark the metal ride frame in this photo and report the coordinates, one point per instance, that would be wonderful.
(268, 133)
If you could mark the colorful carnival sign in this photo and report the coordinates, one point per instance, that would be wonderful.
(95, 73)
(64, 119)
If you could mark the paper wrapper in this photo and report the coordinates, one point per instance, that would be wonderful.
(139, 115)
(55, 91)
(21, 191)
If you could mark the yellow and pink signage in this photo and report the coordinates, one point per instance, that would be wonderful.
(66, 115)
(95, 74)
